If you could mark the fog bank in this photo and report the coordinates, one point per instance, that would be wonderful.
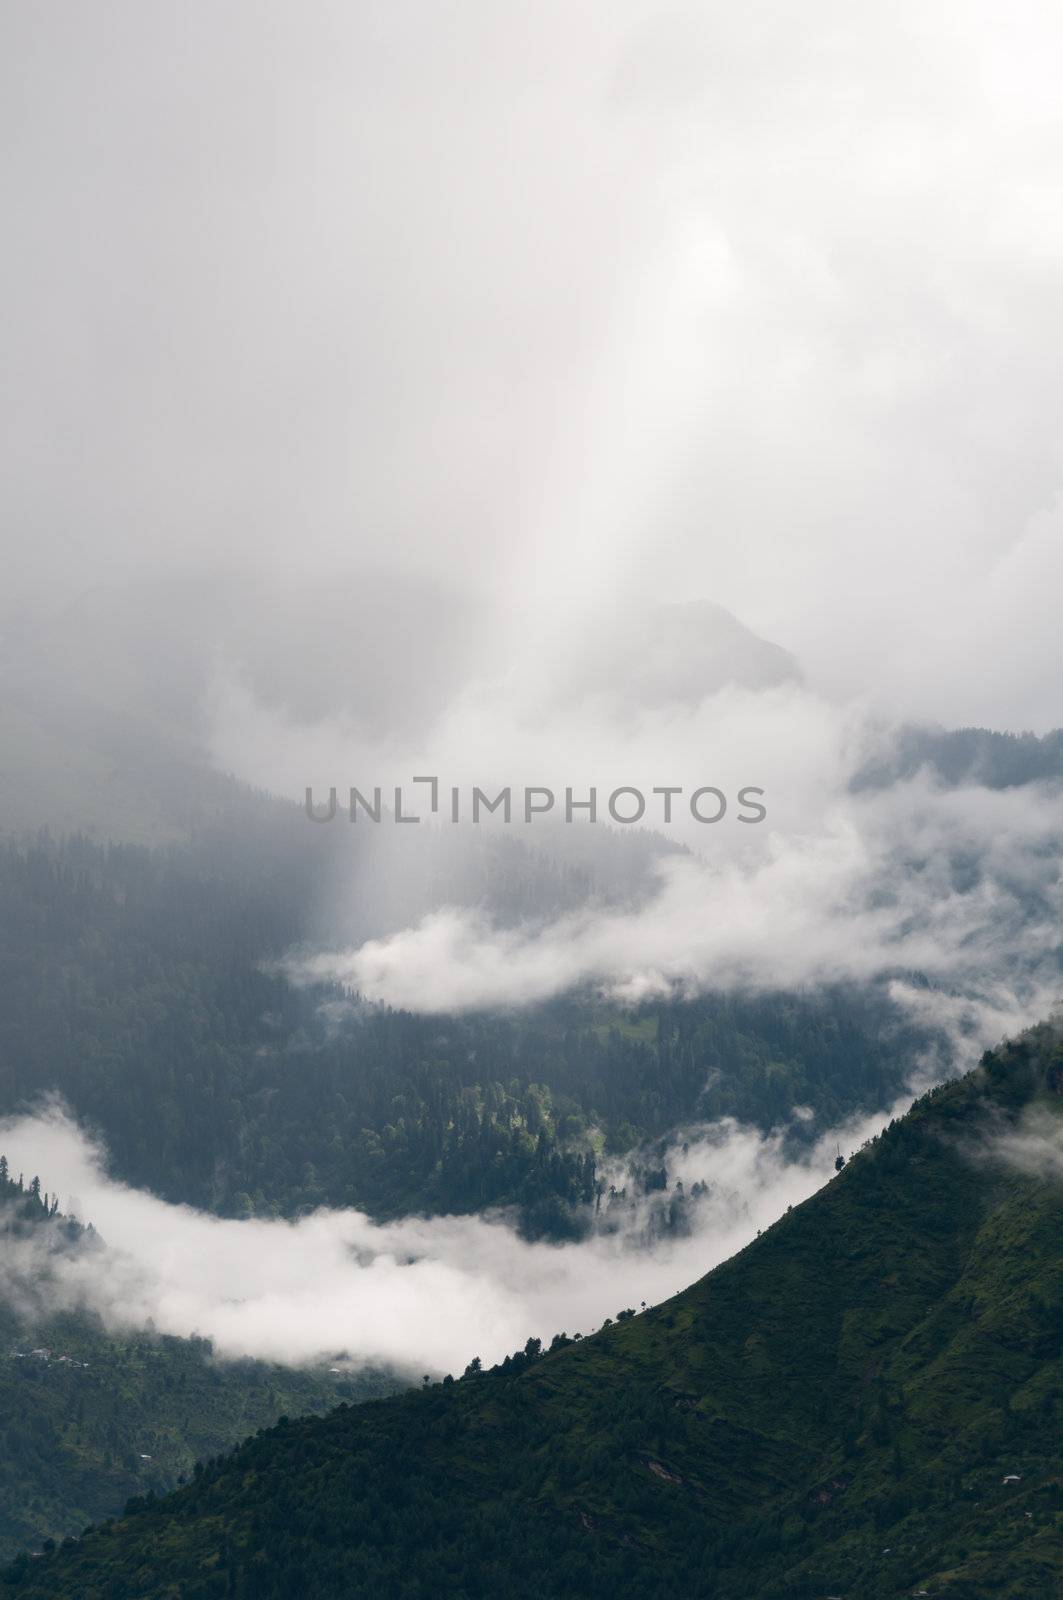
(420, 1294)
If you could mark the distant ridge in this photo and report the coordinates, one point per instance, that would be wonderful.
(956, 756)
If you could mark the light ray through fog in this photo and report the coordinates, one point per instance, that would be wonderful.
(708, 301)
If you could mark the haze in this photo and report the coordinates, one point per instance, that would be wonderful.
(585, 303)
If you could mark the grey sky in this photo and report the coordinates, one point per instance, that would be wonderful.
(377, 378)
(759, 303)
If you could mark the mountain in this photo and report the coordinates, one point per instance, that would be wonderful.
(867, 1401)
(111, 722)
(954, 756)
(89, 1417)
(642, 657)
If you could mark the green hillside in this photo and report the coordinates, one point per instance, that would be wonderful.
(867, 1401)
(88, 1418)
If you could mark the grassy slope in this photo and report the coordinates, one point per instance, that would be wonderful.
(830, 1413)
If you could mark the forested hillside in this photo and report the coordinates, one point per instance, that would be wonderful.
(142, 986)
(89, 1417)
(868, 1401)
(985, 756)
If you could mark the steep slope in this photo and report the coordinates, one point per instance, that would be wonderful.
(865, 1402)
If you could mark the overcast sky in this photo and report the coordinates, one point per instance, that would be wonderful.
(372, 374)
(758, 302)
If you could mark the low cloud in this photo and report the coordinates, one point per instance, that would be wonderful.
(962, 886)
(1033, 1147)
(420, 1294)
(959, 884)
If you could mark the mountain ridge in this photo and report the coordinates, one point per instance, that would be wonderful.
(834, 1411)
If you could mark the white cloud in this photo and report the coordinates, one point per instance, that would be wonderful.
(961, 885)
(1034, 1146)
(621, 298)
(420, 1294)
